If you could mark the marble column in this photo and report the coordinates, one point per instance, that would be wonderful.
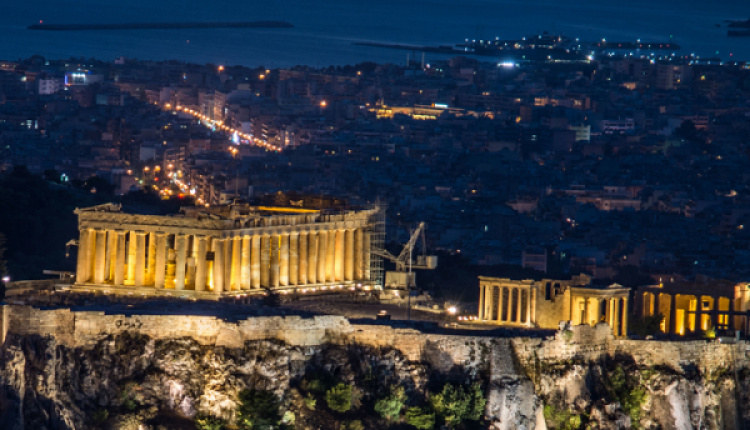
(616, 326)
(509, 306)
(608, 313)
(99, 255)
(586, 317)
(218, 277)
(698, 313)
(120, 258)
(255, 260)
(140, 259)
(528, 306)
(482, 302)
(366, 244)
(624, 329)
(322, 256)
(228, 248)
(200, 264)
(83, 245)
(294, 258)
(245, 264)
(358, 261)
(274, 272)
(303, 258)
(312, 257)
(236, 265)
(109, 256)
(180, 261)
(284, 260)
(349, 255)
(265, 261)
(532, 304)
(519, 305)
(160, 265)
(192, 247)
(151, 259)
(339, 256)
(130, 276)
(672, 329)
(500, 305)
(331, 257)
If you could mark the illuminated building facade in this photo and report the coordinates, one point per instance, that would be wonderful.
(225, 250)
(545, 303)
(695, 306)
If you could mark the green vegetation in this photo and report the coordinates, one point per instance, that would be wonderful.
(390, 407)
(710, 333)
(646, 326)
(625, 388)
(310, 402)
(258, 410)
(561, 419)
(456, 404)
(100, 416)
(352, 425)
(339, 398)
(129, 396)
(318, 383)
(208, 423)
(421, 418)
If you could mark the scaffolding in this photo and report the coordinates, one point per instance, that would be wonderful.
(377, 241)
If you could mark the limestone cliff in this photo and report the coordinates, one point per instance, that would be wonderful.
(61, 369)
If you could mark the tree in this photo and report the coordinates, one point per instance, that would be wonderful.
(421, 418)
(390, 407)
(646, 326)
(456, 404)
(339, 398)
(258, 410)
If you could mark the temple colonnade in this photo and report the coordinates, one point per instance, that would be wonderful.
(166, 253)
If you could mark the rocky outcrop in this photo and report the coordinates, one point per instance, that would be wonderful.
(130, 380)
(66, 370)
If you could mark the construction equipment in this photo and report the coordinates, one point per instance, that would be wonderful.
(403, 278)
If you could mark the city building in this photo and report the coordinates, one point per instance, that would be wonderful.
(547, 302)
(226, 250)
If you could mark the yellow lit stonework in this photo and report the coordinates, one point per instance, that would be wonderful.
(547, 302)
(225, 250)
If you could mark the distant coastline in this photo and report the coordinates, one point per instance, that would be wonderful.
(160, 26)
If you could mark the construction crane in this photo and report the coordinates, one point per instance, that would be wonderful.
(403, 278)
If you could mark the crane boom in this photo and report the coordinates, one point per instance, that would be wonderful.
(410, 245)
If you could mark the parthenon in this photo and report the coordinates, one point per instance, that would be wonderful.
(224, 250)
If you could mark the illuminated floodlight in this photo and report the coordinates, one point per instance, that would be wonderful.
(507, 64)
(6, 279)
(452, 310)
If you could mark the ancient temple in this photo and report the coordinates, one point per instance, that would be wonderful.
(224, 250)
(695, 306)
(545, 303)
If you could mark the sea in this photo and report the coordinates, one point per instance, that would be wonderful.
(325, 31)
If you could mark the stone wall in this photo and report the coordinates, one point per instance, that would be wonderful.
(591, 343)
(81, 328)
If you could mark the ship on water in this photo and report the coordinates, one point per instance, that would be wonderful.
(559, 48)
